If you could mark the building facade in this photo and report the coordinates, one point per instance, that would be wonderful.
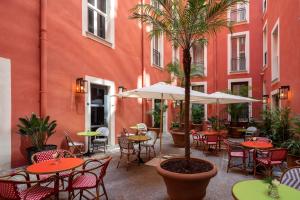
(46, 45)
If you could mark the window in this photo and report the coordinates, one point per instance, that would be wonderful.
(265, 4)
(240, 111)
(98, 20)
(157, 47)
(198, 54)
(238, 13)
(265, 46)
(238, 56)
(275, 52)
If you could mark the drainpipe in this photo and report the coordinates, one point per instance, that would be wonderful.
(143, 64)
(43, 57)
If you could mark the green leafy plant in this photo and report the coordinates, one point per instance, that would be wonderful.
(293, 146)
(175, 125)
(214, 123)
(266, 125)
(185, 23)
(296, 126)
(37, 129)
(156, 114)
(197, 113)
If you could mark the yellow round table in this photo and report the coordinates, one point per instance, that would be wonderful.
(258, 190)
(139, 139)
(89, 134)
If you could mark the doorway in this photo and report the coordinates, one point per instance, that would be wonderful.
(156, 105)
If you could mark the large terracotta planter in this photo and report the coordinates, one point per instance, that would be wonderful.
(291, 160)
(178, 138)
(186, 186)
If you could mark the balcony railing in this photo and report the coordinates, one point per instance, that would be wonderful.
(238, 15)
(156, 57)
(198, 68)
(238, 64)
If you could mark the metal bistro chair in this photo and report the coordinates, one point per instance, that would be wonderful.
(91, 176)
(142, 128)
(197, 138)
(291, 177)
(250, 132)
(211, 141)
(126, 149)
(101, 141)
(12, 187)
(150, 144)
(76, 148)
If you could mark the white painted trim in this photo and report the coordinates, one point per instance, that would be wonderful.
(111, 107)
(205, 60)
(204, 83)
(165, 116)
(247, 14)
(265, 29)
(274, 92)
(264, 10)
(249, 80)
(110, 24)
(247, 50)
(277, 25)
(161, 50)
(5, 113)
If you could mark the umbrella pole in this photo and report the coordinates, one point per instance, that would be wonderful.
(218, 113)
(161, 125)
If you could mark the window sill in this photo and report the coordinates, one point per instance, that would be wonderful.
(239, 72)
(240, 23)
(98, 39)
(274, 81)
(157, 67)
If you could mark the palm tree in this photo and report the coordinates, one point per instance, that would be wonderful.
(185, 23)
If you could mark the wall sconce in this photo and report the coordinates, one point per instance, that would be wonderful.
(265, 99)
(81, 85)
(284, 92)
(121, 89)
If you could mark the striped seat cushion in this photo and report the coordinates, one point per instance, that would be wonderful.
(84, 181)
(292, 178)
(266, 161)
(36, 193)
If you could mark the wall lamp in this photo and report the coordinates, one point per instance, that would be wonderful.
(284, 92)
(265, 99)
(122, 89)
(81, 85)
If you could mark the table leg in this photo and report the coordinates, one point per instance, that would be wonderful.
(88, 153)
(140, 160)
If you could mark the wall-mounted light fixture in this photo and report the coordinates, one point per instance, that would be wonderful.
(121, 89)
(265, 99)
(81, 85)
(284, 92)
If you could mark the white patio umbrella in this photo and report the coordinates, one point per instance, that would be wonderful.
(164, 91)
(224, 98)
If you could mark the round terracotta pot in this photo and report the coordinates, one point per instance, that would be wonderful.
(178, 138)
(186, 186)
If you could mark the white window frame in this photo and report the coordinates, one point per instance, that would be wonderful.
(109, 23)
(265, 45)
(265, 8)
(247, 14)
(204, 56)
(249, 80)
(247, 51)
(204, 83)
(275, 77)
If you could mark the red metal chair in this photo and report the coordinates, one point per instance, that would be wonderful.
(235, 150)
(274, 157)
(49, 155)
(10, 189)
(211, 141)
(197, 138)
(91, 176)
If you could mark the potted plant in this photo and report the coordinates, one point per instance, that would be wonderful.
(38, 130)
(156, 118)
(197, 116)
(185, 23)
(293, 147)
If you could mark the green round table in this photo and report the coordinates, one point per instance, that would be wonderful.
(89, 134)
(258, 190)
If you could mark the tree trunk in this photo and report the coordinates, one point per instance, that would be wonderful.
(187, 72)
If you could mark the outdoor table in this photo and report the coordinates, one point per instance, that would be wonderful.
(255, 145)
(89, 134)
(54, 166)
(139, 139)
(258, 190)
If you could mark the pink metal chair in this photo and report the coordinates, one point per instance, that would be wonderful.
(274, 157)
(197, 138)
(48, 155)
(91, 176)
(10, 189)
(211, 141)
(235, 151)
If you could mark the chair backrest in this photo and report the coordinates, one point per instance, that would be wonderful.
(104, 167)
(142, 127)
(231, 145)
(153, 135)
(104, 131)
(124, 143)
(251, 129)
(48, 155)
(9, 190)
(291, 178)
(70, 142)
(278, 154)
(212, 138)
